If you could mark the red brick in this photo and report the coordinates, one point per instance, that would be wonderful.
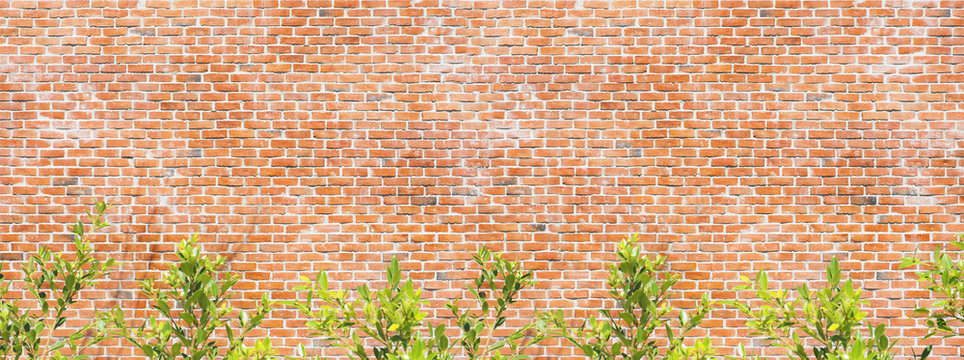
(298, 136)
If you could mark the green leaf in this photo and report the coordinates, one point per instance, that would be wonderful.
(833, 272)
(321, 281)
(762, 281)
(78, 229)
(394, 274)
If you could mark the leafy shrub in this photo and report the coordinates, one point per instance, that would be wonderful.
(54, 282)
(945, 277)
(631, 330)
(389, 323)
(193, 305)
(497, 286)
(391, 317)
(830, 317)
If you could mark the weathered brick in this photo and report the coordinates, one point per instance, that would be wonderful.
(306, 135)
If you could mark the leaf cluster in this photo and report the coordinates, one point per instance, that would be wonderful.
(494, 290)
(191, 302)
(54, 281)
(193, 320)
(389, 323)
(830, 319)
(384, 323)
(944, 276)
(631, 331)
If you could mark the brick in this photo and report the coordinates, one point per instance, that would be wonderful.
(297, 136)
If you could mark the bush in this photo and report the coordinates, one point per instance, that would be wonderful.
(630, 331)
(830, 317)
(945, 277)
(389, 323)
(391, 317)
(497, 286)
(193, 305)
(54, 282)
(194, 321)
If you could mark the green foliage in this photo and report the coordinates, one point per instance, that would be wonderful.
(389, 323)
(945, 277)
(391, 317)
(262, 350)
(830, 317)
(54, 282)
(631, 330)
(193, 304)
(496, 288)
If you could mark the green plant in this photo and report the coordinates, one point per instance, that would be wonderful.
(830, 317)
(389, 323)
(193, 304)
(631, 330)
(390, 317)
(494, 290)
(943, 276)
(54, 282)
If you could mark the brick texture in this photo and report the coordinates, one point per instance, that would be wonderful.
(296, 136)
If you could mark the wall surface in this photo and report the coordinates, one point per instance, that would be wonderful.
(296, 136)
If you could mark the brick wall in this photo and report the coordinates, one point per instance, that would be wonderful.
(305, 135)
